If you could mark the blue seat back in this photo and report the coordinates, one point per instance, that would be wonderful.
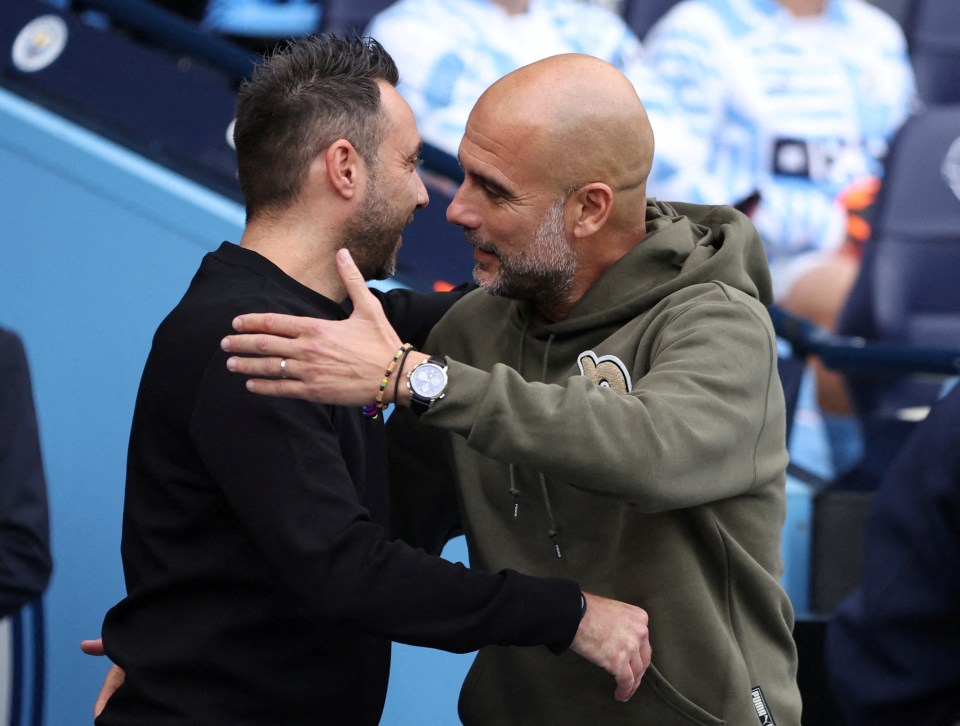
(641, 15)
(933, 36)
(907, 291)
(899, 10)
(343, 16)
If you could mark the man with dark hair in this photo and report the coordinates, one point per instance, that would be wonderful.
(262, 587)
(606, 408)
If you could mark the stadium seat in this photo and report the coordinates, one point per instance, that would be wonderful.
(343, 16)
(897, 341)
(640, 15)
(907, 292)
(899, 10)
(933, 37)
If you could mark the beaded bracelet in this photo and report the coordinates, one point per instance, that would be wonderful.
(396, 382)
(405, 348)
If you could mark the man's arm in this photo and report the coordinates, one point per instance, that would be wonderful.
(713, 404)
(291, 479)
(612, 635)
(25, 562)
(325, 362)
(301, 508)
(425, 512)
(606, 626)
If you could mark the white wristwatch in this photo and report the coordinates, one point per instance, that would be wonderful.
(427, 383)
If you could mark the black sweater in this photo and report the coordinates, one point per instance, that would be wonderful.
(262, 588)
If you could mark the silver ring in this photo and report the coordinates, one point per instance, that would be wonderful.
(283, 367)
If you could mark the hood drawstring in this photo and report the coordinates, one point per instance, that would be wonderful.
(514, 491)
(553, 532)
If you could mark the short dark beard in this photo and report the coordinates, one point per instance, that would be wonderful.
(372, 245)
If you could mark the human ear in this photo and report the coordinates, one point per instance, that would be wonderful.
(343, 168)
(593, 203)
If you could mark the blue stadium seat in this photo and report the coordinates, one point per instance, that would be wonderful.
(343, 16)
(897, 342)
(933, 36)
(907, 292)
(641, 15)
(899, 10)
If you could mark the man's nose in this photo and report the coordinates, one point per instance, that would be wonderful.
(459, 213)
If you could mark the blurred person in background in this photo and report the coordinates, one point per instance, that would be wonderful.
(450, 51)
(796, 101)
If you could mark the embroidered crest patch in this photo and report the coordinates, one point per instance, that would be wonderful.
(606, 370)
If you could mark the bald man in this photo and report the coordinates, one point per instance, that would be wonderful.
(607, 407)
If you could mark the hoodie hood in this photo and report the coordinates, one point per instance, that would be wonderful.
(688, 248)
(685, 245)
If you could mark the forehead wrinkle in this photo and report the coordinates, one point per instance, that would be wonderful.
(484, 163)
(500, 163)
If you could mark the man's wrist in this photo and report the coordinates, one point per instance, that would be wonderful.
(427, 384)
(413, 359)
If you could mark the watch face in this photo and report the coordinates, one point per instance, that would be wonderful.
(428, 380)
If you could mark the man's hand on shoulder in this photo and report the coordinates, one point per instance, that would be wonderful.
(338, 362)
(614, 636)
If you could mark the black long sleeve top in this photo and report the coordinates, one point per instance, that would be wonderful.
(262, 588)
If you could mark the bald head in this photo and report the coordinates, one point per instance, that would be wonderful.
(573, 119)
(555, 159)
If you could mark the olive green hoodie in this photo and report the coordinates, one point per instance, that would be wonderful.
(636, 447)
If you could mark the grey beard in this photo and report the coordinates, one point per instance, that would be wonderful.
(542, 273)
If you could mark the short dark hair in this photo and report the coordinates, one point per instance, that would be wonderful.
(310, 92)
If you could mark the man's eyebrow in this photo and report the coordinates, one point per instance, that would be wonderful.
(491, 184)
